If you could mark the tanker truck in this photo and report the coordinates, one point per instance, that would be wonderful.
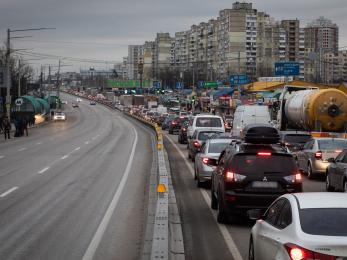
(312, 109)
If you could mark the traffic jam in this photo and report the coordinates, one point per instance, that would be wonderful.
(255, 161)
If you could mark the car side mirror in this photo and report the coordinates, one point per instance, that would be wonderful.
(255, 214)
(331, 160)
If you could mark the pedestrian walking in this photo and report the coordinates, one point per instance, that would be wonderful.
(25, 126)
(7, 127)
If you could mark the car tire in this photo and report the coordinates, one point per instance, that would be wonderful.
(309, 172)
(251, 250)
(328, 187)
(345, 185)
(189, 157)
(214, 201)
(222, 216)
(179, 139)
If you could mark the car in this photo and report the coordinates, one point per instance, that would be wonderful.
(222, 136)
(228, 122)
(64, 102)
(79, 100)
(295, 140)
(198, 139)
(59, 116)
(203, 163)
(182, 133)
(336, 174)
(75, 105)
(167, 121)
(301, 226)
(92, 103)
(252, 173)
(313, 157)
(175, 124)
(205, 122)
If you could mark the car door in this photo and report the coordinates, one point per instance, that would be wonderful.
(304, 155)
(268, 232)
(219, 171)
(198, 158)
(333, 170)
(341, 167)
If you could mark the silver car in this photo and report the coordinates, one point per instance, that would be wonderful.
(210, 151)
(313, 157)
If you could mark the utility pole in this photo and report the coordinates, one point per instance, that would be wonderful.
(19, 78)
(49, 81)
(58, 80)
(41, 76)
(8, 75)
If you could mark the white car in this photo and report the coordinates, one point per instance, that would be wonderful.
(205, 122)
(59, 116)
(301, 226)
(79, 100)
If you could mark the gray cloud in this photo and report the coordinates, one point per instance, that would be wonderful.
(108, 26)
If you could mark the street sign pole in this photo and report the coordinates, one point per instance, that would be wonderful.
(8, 76)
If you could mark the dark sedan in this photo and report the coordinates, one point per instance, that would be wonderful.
(336, 175)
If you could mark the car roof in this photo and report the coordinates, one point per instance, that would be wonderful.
(209, 130)
(328, 138)
(207, 115)
(214, 141)
(294, 133)
(311, 200)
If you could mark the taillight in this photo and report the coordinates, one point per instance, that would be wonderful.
(184, 129)
(264, 153)
(318, 155)
(338, 151)
(298, 177)
(205, 160)
(196, 144)
(173, 123)
(229, 176)
(298, 253)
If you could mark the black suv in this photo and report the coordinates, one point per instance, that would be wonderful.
(252, 173)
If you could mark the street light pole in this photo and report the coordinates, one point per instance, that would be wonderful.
(8, 75)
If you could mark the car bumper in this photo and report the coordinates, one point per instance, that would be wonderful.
(205, 174)
(319, 167)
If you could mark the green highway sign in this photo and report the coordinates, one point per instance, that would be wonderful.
(128, 83)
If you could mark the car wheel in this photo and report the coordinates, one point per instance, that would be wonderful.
(309, 172)
(179, 139)
(189, 157)
(328, 186)
(222, 216)
(214, 202)
(251, 250)
(345, 185)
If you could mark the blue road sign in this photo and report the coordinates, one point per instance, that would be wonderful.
(201, 84)
(179, 85)
(238, 80)
(287, 69)
(156, 84)
(219, 82)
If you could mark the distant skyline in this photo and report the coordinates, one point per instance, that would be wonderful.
(102, 30)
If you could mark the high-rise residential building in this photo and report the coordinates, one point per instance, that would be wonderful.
(135, 52)
(180, 51)
(212, 48)
(122, 68)
(162, 54)
(334, 67)
(321, 37)
(148, 60)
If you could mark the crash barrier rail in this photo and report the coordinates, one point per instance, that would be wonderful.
(167, 240)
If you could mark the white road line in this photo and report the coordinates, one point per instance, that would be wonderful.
(2, 156)
(64, 157)
(43, 170)
(8, 192)
(87, 142)
(22, 149)
(90, 252)
(222, 228)
(38, 143)
(77, 148)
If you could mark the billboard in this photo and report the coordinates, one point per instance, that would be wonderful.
(287, 69)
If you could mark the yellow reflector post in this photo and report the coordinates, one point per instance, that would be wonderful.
(161, 188)
(159, 146)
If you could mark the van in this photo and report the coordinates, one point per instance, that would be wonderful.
(249, 114)
(205, 122)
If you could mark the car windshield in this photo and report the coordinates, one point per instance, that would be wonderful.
(297, 139)
(217, 147)
(332, 144)
(208, 122)
(324, 221)
(274, 164)
(203, 136)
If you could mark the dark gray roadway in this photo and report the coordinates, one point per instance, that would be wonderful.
(56, 185)
(203, 237)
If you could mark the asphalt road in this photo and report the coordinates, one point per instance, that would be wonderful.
(76, 189)
(203, 237)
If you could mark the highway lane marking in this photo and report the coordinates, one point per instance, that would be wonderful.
(90, 252)
(8, 192)
(87, 142)
(43, 170)
(38, 143)
(222, 228)
(22, 149)
(2, 156)
(77, 148)
(64, 157)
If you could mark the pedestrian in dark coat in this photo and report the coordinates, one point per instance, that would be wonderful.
(7, 127)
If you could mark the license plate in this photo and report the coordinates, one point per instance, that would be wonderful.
(264, 184)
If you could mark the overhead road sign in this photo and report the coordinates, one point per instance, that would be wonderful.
(156, 84)
(208, 84)
(128, 83)
(239, 80)
(287, 69)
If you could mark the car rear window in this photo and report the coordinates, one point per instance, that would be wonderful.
(203, 136)
(216, 147)
(324, 221)
(331, 144)
(276, 164)
(208, 122)
(298, 139)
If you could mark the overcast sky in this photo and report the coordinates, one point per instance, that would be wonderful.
(102, 29)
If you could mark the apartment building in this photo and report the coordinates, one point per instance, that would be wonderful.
(135, 52)
(161, 54)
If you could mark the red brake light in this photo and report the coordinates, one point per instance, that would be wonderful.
(229, 176)
(196, 144)
(318, 155)
(264, 154)
(205, 160)
(338, 151)
(298, 253)
(298, 177)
